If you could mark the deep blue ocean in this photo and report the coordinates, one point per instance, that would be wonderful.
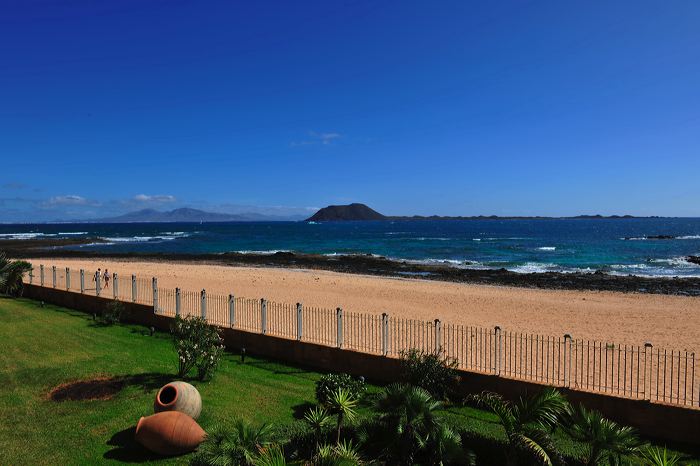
(616, 246)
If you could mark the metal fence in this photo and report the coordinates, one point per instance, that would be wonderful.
(632, 371)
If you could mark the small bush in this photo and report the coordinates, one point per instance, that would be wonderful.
(430, 371)
(112, 313)
(330, 383)
(198, 344)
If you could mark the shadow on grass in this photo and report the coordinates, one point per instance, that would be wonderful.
(278, 368)
(127, 449)
(298, 411)
(104, 388)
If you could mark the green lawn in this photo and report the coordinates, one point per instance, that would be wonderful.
(42, 347)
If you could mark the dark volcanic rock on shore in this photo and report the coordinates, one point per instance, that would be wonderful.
(693, 259)
(372, 265)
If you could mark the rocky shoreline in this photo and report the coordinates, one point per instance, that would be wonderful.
(373, 265)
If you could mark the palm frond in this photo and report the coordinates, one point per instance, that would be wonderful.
(656, 456)
(605, 440)
(11, 274)
(546, 408)
(498, 405)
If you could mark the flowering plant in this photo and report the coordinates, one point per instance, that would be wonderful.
(198, 344)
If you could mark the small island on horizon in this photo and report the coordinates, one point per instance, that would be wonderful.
(362, 212)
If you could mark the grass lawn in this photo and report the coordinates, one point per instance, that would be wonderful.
(43, 347)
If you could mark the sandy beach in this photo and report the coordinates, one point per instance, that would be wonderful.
(626, 318)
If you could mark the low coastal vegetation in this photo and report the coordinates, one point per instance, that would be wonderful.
(74, 387)
(11, 273)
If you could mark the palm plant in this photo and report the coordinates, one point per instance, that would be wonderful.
(240, 445)
(272, 456)
(340, 454)
(317, 418)
(11, 273)
(444, 444)
(606, 441)
(655, 456)
(408, 429)
(528, 422)
(342, 403)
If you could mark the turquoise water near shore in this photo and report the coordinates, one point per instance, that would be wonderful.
(615, 246)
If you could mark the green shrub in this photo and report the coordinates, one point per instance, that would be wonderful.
(239, 444)
(430, 371)
(198, 344)
(330, 383)
(11, 273)
(112, 313)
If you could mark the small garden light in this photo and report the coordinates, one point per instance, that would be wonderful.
(243, 355)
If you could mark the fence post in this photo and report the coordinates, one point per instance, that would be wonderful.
(98, 283)
(31, 275)
(53, 275)
(203, 304)
(177, 302)
(67, 278)
(115, 285)
(82, 281)
(567, 380)
(232, 310)
(438, 336)
(385, 334)
(133, 288)
(497, 350)
(154, 281)
(263, 316)
(300, 321)
(647, 394)
(339, 335)
(41, 274)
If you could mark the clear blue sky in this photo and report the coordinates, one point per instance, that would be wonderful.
(459, 108)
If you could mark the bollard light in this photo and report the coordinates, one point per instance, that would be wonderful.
(153, 330)
(243, 355)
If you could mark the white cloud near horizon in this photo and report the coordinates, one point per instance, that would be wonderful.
(154, 198)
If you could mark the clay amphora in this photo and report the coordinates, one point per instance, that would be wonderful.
(169, 433)
(179, 396)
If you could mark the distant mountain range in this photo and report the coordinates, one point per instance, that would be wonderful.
(358, 212)
(331, 213)
(187, 215)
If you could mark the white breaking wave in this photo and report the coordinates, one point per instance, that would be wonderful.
(534, 267)
(266, 252)
(548, 248)
(24, 235)
(137, 239)
(646, 238)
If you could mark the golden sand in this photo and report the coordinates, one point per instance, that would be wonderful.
(626, 318)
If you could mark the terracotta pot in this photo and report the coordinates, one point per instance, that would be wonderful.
(169, 433)
(179, 396)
